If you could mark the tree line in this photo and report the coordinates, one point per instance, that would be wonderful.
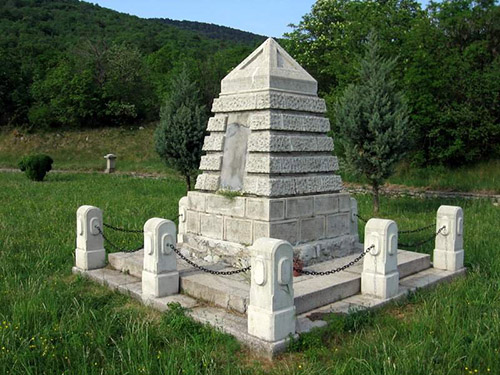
(448, 66)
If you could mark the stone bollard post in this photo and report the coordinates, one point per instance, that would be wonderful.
(183, 204)
(354, 219)
(449, 247)
(380, 276)
(90, 252)
(110, 163)
(271, 312)
(160, 277)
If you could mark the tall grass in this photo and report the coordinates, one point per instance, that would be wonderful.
(52, 322)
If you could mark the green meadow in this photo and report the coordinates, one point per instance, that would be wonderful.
(53, 322)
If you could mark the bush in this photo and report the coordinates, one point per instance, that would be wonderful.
(36, 166)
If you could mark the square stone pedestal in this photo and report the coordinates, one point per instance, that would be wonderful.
(215, 227)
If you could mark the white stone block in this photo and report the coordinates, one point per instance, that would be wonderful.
(90, 253)
(337, 225)
(221, 205)
(217, 124)
(238, 230)
(271, 312)
(271, 120)
(326, 204)
(312, 229)
(265, 209)
(449, 252)
(160, 277)
(212, 226)
(211, 162)
(287, 230)
(299, 207)
(214, 142)
(208, 182)
(271, 142)
(380, 276)
(258, 163)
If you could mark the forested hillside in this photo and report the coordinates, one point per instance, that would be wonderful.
(215, 31)
(67, 63)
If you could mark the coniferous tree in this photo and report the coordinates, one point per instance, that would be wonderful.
(180, 133)
(372, 117)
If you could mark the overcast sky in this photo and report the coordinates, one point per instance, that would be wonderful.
(265, 17)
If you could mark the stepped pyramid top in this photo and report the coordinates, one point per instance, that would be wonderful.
(269, 67)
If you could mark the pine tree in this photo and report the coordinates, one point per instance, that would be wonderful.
(372, 117)
(180, 133)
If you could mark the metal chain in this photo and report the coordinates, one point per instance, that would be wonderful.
(417, 230)
(420, 243)
(122, 229)
(201, 268)
(117, 247)
(402, 231)
(339, 269)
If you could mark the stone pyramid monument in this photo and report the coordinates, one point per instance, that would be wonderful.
(269, 170)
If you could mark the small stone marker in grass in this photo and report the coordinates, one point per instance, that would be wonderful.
(110, 163)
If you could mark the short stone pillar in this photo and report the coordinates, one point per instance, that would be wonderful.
(159, 275)
(183, 205)
(353, 226)
(90, 253)
(380, 276)
(449, 247)
(271, 312)
(110, 163)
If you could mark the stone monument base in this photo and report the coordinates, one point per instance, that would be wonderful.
(319, 227)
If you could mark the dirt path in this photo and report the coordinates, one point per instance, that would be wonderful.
(388, 189)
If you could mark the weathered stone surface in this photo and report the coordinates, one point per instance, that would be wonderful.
(208, 182)
(283, 186)
(312, 229)
(344, 202)
(269, 100)
(238, 230)
(265, 209)
(271, 312)
(380, 276)
(214, 142)
(273, 120)
(266, 163)
(337, 225)
(218, 204)
(212, 226)
(270, 142)
(326, 204)
(217, 123)
(299, 207)
(287, 230)
(193, 222)
(196, 201)
(235, 155)
(211, 162)
(449, 251)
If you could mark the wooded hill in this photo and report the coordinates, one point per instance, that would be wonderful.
(68, 63)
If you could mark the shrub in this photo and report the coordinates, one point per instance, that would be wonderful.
(36, 166)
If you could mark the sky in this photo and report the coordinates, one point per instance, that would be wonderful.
(265, 17)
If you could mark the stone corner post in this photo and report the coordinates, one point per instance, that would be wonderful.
(353, 230)
(183, 205)
(160, 277)
(380, 276)
(110, 163)
(449, 247)
(90, 253)
(271, 311)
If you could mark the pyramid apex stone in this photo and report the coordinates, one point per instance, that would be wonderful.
(269, 67)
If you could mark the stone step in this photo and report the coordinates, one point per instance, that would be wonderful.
(232, 292)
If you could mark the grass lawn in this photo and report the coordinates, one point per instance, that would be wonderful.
(52, 322)
(134, 147)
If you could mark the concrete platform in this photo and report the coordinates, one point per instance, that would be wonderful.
(232, 292)
(236, 324)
